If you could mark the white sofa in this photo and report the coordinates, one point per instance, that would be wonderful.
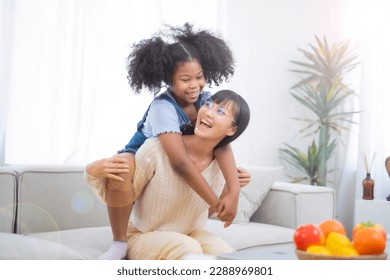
(49, 212)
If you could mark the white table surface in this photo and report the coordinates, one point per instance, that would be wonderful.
(284, 251)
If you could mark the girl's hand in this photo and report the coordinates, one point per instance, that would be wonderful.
(108, 168)
(227, 209)
(244, 177)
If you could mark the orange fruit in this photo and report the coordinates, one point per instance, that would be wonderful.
(329, 226)
(369, 224)
(369, 241)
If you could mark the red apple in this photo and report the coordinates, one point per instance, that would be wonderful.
(307, 235)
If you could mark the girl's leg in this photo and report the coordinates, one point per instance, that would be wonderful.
(119, 199)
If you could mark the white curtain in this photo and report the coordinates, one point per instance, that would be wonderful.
(64, 92)
(374, 136)
(366, 24)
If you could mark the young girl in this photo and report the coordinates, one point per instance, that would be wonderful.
(169, 219)
(184, 61)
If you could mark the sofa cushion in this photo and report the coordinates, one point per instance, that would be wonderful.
(89, 243)
(243, 236)
(22, 247)
(253, 194)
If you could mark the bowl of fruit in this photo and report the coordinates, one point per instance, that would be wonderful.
(329, 241)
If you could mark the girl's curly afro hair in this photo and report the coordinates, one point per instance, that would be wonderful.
(153, 61)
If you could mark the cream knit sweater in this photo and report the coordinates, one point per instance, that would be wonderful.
(165, 201)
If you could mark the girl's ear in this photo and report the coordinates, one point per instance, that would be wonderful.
(232, 131)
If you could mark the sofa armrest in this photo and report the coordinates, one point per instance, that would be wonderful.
(8, 189)
(291, 205)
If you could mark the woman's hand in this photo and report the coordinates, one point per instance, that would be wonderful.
(108, 168)
(244, 177)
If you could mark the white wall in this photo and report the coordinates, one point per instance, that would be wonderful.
(265, 36)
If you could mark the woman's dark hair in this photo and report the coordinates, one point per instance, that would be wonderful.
(153, 61)
(241, 114)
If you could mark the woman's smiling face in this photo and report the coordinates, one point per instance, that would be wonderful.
(215, 121)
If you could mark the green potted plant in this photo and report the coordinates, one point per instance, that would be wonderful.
(322, 91)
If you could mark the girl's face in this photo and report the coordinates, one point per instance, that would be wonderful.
(216, 121)
(187, 82)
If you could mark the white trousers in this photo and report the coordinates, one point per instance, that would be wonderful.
(169, 245)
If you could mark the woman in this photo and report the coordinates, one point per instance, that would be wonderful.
(169, 218)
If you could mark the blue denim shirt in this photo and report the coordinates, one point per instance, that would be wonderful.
(152, 124)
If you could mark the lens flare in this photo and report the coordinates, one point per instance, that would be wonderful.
(82, 202)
